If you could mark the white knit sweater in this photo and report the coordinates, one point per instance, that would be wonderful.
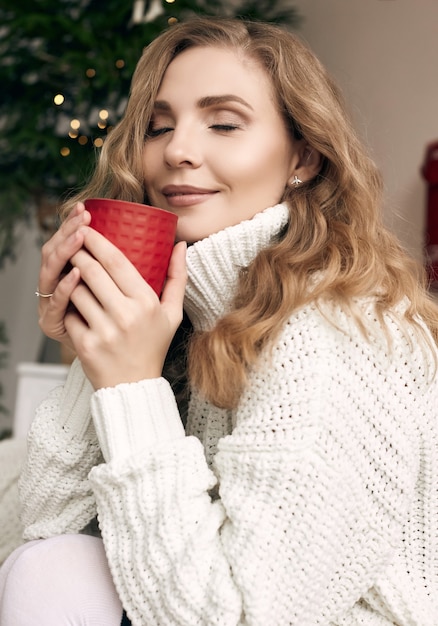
(314, 502)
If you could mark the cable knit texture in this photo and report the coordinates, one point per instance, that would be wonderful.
(315, 502)
(12, 453)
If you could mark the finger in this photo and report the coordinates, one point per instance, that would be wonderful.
(89, 307)
(78, 213)
(63, 293)
(98, 295)
(59, 249)
(120, 271)
(76, 218)
(58, 302)
(54, 309)
(76, 329)
(172, 297)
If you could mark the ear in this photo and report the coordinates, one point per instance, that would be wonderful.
(308, 164)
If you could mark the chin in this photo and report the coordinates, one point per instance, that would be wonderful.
(192, 235)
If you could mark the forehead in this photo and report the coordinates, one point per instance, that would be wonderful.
(212, 70)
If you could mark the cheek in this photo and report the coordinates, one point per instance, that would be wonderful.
(264, 175)
(262, 156)
(150, 169)
(144, 163)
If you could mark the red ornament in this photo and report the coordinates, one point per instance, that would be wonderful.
(429, 171)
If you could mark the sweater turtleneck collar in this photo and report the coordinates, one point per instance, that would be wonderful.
(214, 263)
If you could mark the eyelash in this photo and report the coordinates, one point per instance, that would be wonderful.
(152, 133)
(225, 127)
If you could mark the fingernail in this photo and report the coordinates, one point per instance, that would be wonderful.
(73, 274)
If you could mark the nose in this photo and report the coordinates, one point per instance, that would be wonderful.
(183, 148)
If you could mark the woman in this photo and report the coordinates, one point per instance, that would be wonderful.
(303, 488)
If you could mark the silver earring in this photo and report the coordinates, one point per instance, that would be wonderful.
(296, 181)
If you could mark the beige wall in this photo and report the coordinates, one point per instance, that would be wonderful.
(384, 54)
(18, 308)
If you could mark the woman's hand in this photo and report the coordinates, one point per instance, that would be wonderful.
(55, 255)
(119, 328)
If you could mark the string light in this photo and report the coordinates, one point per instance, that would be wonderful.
(144, 12)
(171, 20)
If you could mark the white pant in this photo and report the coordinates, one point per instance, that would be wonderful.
(62, 581)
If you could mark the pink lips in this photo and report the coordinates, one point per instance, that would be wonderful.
(186, 195)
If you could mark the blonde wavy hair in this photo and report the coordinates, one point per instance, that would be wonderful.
(335, 229)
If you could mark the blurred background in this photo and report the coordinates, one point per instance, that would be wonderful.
(65, 68)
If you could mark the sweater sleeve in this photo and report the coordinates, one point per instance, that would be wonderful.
(315, 484)
(55, 493)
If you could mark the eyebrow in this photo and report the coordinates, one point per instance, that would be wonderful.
(206, 102)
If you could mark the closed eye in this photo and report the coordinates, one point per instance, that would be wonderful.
(156, 132)
(224, 127)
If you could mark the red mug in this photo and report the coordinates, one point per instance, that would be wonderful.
(145, 234)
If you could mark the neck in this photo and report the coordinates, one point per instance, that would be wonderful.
(214, 264)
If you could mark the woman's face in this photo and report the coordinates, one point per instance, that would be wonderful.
(218, 151)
